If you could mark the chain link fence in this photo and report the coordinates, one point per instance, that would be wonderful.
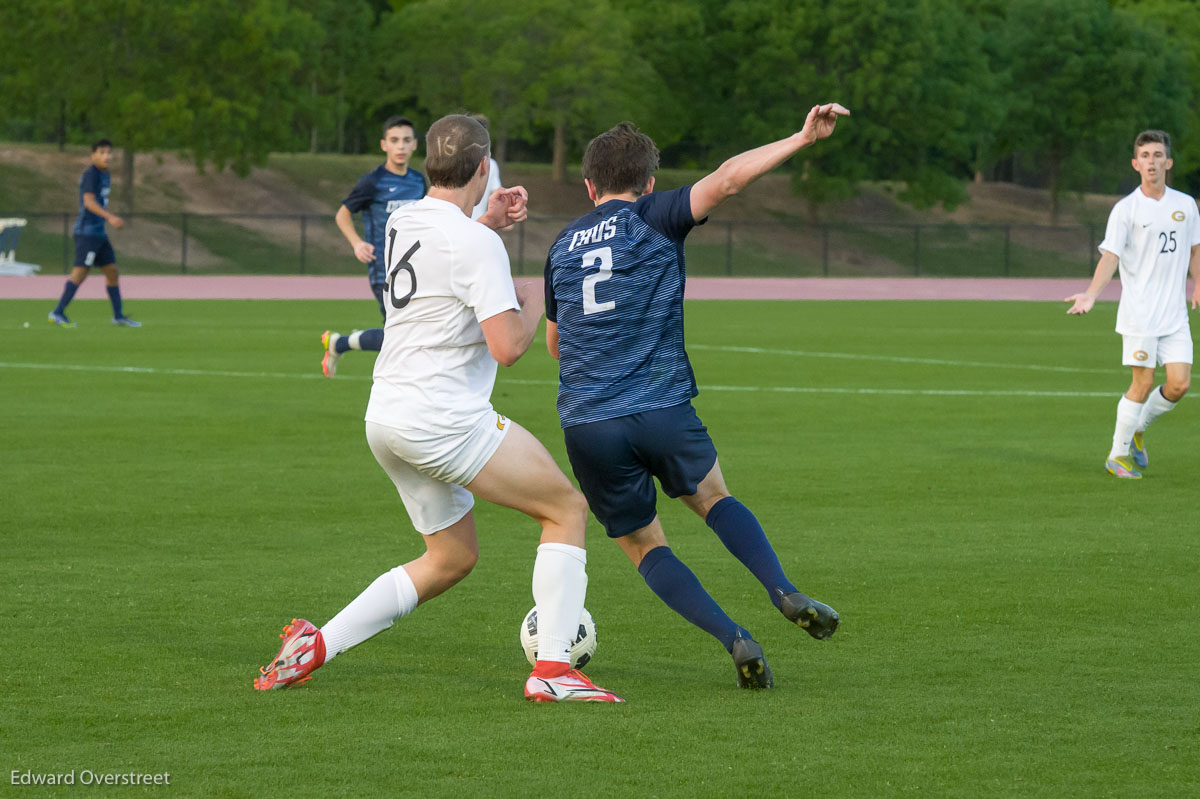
(249, 244)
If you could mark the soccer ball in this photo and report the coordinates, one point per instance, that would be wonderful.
(582, 649)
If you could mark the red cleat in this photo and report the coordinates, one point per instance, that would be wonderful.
(574, 686)
(302, 653)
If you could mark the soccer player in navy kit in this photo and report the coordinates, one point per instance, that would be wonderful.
(92, 247)
(376, 195)
(614, 319)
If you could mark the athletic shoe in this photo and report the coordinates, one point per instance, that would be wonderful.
(574, 686)
(1137, 451)
(303, 651)
(329, 341)
(60, 319)
(752, 669)
(1122, 467)
(125, 321)
(820, 620)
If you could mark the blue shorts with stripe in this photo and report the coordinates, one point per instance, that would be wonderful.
(616, 461)
(94, 251)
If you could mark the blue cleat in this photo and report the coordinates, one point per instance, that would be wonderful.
(752, 669)
(1122, 467)
(817, 618)
(60, 319)
(125, 321)
(1137, 451)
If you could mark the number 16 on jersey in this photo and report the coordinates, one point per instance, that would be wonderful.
(395, 269)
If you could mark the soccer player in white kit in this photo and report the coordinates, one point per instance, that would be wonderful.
(453, 312)
(1153, 235)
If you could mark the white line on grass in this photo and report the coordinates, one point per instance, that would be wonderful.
(853, 356)
(901, 392)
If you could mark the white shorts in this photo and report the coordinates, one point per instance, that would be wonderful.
(1151, 351)
(430, 469)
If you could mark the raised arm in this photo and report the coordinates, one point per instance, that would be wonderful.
(740, 171)
(1105, 269)
(509, 333)
(506, 207)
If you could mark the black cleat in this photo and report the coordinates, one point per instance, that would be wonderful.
(752, 669)
(820, 620)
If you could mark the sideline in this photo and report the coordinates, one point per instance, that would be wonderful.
(313, 287)
(890, 392)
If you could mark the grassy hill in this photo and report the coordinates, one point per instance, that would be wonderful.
(279, 219)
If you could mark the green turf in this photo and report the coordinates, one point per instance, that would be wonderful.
(1016, 622)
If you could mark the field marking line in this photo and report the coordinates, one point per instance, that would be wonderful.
(901, 392)
(852, 356)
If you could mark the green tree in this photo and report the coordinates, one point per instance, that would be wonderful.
(1089, 78)
(1179, 23)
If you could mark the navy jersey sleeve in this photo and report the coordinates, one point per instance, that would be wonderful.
(90, 183)
(551, 302)
(668, 212)
(362, 195)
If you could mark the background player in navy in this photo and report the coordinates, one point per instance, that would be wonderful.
(92, 247)
(614, 311)
(376, 195)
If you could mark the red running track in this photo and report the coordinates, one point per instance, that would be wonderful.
(301, 287)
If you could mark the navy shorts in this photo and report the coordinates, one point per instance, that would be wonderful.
(616, 461)
(379, 290)
(94, 251)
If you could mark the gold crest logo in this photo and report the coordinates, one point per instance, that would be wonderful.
(1141, 355)
(1179, 216)
(501, 421)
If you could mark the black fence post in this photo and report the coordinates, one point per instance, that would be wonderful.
(303, 240)
(916, 250)
(521, 249)
(1007, 239)
(66, 244)
(825, 250)
(1091, 246)
(729, 248)
(183, 245)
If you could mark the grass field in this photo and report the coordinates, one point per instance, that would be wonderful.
(1016, 622)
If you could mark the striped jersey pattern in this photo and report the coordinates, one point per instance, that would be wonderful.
(376, 195)
(614, 286)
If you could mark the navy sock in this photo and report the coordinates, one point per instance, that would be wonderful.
(371, 339)
(67, 295)
(677, 586)
(114, 296)
(342, 345)
(742, 535)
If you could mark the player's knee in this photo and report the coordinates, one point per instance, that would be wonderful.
(1175, 389)
(455, 569)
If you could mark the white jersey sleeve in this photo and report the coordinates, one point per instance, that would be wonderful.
(1116, 234)
(484, 284)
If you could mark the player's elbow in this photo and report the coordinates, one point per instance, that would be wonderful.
(506, 353)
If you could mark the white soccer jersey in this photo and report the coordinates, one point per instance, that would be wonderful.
(1154, 240)
(445, 275)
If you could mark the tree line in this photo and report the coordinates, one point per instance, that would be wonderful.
(942, 91)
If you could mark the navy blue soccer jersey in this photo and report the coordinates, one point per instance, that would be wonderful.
(97, 182)
(377, 194)
(614, 286)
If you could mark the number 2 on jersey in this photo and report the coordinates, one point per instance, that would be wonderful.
(603, 258)
(403, 266)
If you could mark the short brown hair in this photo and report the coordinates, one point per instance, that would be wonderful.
(454, 146)
(619, 160)
(1153, 137)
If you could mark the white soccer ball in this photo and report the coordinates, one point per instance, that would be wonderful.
(582, 649)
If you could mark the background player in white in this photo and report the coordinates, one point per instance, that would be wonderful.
(614, 319)
(452, 313)
(1153, 236)
(493, 175)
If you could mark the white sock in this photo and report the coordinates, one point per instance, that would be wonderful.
(559, 587)
(352, 340)
(391, 597)
(1155, 406)
(1128, 413)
